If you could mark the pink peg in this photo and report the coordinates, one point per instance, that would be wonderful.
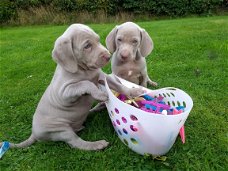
(145, 109)
(164, 106)
(175, 111)
(122, 97)
(160, 98)
(182, 134)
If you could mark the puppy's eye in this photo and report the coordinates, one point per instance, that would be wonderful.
(119, 40)
(135, 41)
(87, 46)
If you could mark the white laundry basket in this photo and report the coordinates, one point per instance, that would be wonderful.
(148, 133)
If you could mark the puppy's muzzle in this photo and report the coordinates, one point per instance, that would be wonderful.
(106, 56)
(124, 54)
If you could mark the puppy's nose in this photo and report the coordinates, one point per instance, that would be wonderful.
(124, 54)
(106, 56)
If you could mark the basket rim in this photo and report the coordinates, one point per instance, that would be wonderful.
(145, 112)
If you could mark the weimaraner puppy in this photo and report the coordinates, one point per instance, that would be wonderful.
(66, 102)
(130, 44)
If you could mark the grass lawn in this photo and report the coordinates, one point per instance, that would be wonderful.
(190, 54)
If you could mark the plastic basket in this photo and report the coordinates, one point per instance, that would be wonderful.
(148, 133)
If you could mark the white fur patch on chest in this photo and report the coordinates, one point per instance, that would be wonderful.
(130, 73)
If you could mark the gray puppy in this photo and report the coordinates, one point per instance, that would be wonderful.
(65, 104)
(130, 44)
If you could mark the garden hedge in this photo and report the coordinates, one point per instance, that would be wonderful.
(9, 8)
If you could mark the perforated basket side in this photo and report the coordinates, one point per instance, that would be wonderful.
(174, 97)
(150, 133)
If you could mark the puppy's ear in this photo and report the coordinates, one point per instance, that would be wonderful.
(63, 54)
(147, 44)
(110, 40)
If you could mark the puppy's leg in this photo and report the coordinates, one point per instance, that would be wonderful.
(79, 129)
(73, 91)
(143, 81)
(117, 86)
(100, 106)
(146, 79)
(75, 141)
(152, 83)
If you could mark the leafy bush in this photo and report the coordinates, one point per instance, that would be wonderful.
(7, 10)
(109, 6)
(203, 6)
(65, 5)
(25, 4)
(171, 8)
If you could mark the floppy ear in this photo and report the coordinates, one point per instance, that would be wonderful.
(63, 54)
(146, 45)
(110, 40)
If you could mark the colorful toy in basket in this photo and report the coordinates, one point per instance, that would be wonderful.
(150, 104)
(153, 105)
(154, 132)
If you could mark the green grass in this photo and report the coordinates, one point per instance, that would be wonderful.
(191, 54)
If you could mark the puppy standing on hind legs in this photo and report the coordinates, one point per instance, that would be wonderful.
(65, 104)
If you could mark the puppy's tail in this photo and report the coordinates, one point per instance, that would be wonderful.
(23, 144)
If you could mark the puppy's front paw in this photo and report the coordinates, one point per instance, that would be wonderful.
(133, 92)
(101, 96)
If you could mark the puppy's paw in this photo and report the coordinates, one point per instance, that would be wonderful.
(133, 92)
(99, 145)
(152, 83)
(101, 96)
(96, 145)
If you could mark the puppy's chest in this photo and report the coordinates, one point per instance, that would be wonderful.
(129, 69)
(90, 76)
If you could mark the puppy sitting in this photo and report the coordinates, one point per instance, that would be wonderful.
(66, 102)
(130, 44)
